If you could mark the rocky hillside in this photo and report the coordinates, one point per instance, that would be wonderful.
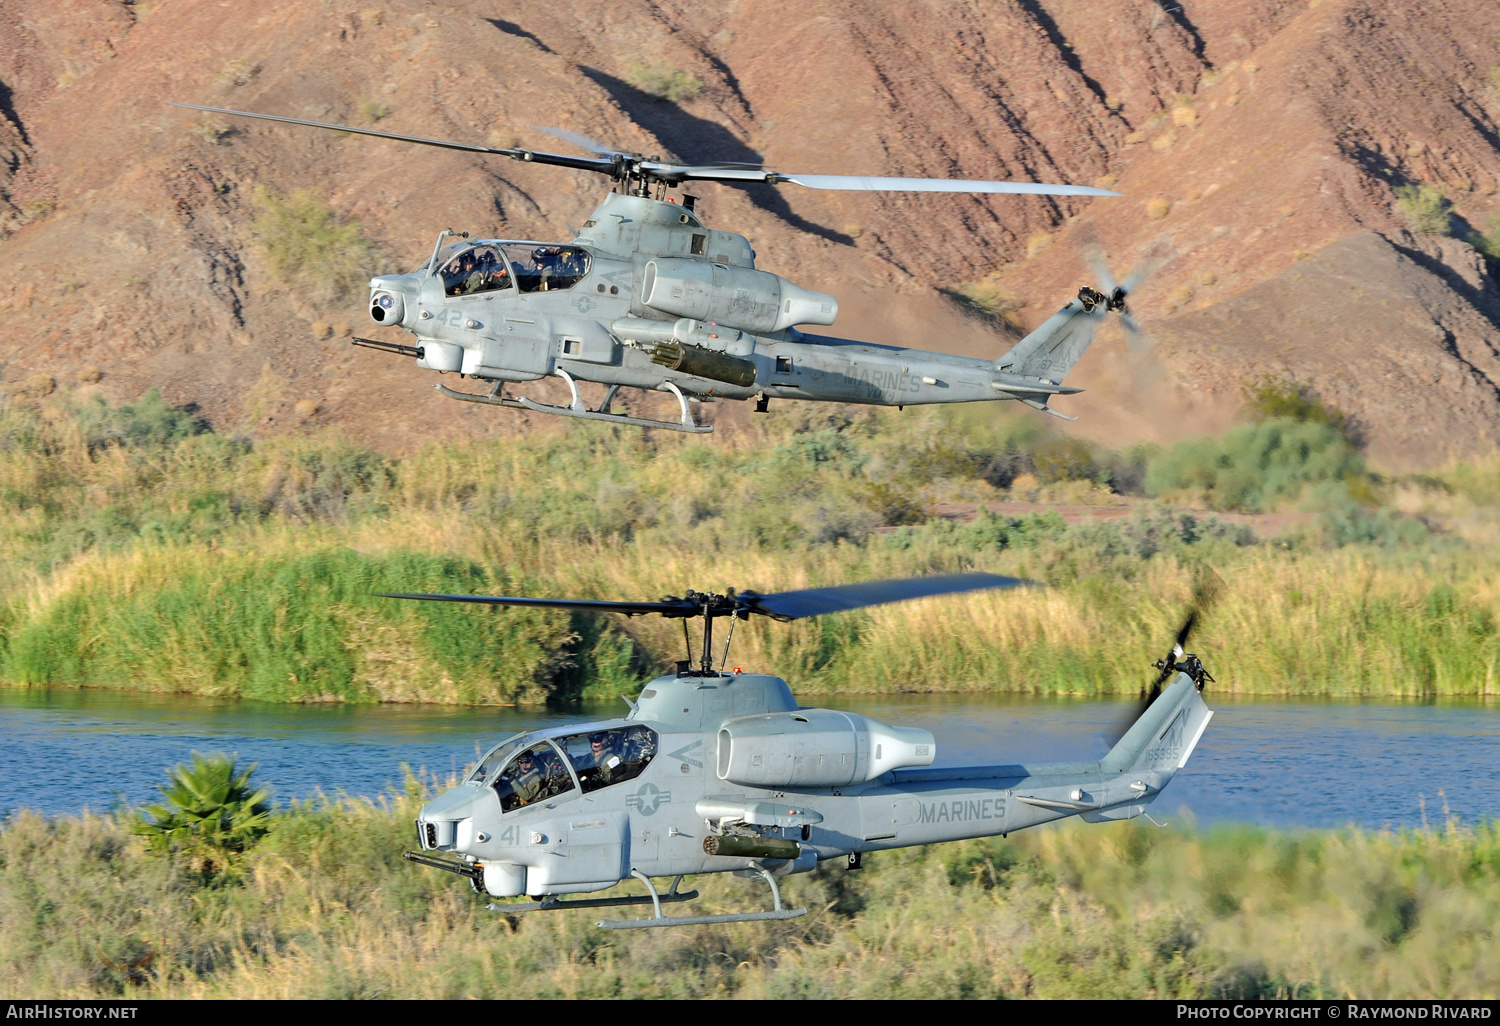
(1261, 143)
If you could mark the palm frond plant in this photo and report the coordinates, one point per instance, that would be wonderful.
(211, 815)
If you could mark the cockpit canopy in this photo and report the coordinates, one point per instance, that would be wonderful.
(525, 769)
(491, 265)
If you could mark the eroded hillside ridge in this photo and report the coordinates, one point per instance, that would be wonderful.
(1263, 141)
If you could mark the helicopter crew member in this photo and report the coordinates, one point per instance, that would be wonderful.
(484, 273)
(526, 779)
(608, 766)
(474, 275)
(555, 779)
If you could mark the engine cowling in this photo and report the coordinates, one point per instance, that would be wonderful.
(740, 297)
(816, 748)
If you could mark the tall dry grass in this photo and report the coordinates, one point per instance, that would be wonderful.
(326, 909)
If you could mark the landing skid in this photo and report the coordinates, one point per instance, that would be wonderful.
(552, 901)
(732, 917)
(582, 412)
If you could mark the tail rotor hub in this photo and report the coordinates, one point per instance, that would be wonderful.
(1092, 298)
(1189, 664)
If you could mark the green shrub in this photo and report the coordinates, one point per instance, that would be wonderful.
(371, 111)
(1256, 467)
(307, 245)
(895, 504)
(989, 299)
(239, 71)
(1425, 207)
(663, 81)
(1272, 398)
(148, 424)
(1488, 242)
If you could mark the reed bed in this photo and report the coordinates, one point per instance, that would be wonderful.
(141, 551)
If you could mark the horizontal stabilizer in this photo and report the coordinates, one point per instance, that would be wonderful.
(1055, 803)
(1038, 404)
(1012, 383)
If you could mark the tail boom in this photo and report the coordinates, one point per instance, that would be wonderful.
(923, 806)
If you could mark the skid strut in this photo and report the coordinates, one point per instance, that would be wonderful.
(779, 912)
(576, 408)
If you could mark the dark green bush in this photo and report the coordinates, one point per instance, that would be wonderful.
(1257, 467)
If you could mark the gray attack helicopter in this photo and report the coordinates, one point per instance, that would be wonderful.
(646, 296)
(715, 772)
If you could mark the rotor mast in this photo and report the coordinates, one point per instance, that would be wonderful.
(710, 607)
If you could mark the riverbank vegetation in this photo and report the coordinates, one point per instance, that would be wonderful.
(323, 907)
(141, 550)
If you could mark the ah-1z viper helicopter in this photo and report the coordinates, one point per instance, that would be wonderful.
(715, 772)
(646, 296)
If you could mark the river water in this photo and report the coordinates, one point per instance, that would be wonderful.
(1274, 763)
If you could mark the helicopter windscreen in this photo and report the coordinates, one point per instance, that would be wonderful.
(541, 267)
(492, 761)
(473, 268)
(536, 774)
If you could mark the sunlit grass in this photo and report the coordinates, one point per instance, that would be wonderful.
(139, 551)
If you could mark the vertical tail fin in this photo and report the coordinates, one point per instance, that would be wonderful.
(1155, 747)
(1161, 740)
(1051, 350)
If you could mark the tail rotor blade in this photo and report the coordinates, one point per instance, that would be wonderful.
(1157, 256)
(1094, 257)
(1142, 366)
(1208, 586)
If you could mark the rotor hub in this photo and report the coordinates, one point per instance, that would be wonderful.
(1189, 664)
(1091, 299)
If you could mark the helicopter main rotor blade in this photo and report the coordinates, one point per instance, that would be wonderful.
(860, 183)
(674, 607)
(608, 167)
(621, 165)
(580, 140)
(794, 605)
